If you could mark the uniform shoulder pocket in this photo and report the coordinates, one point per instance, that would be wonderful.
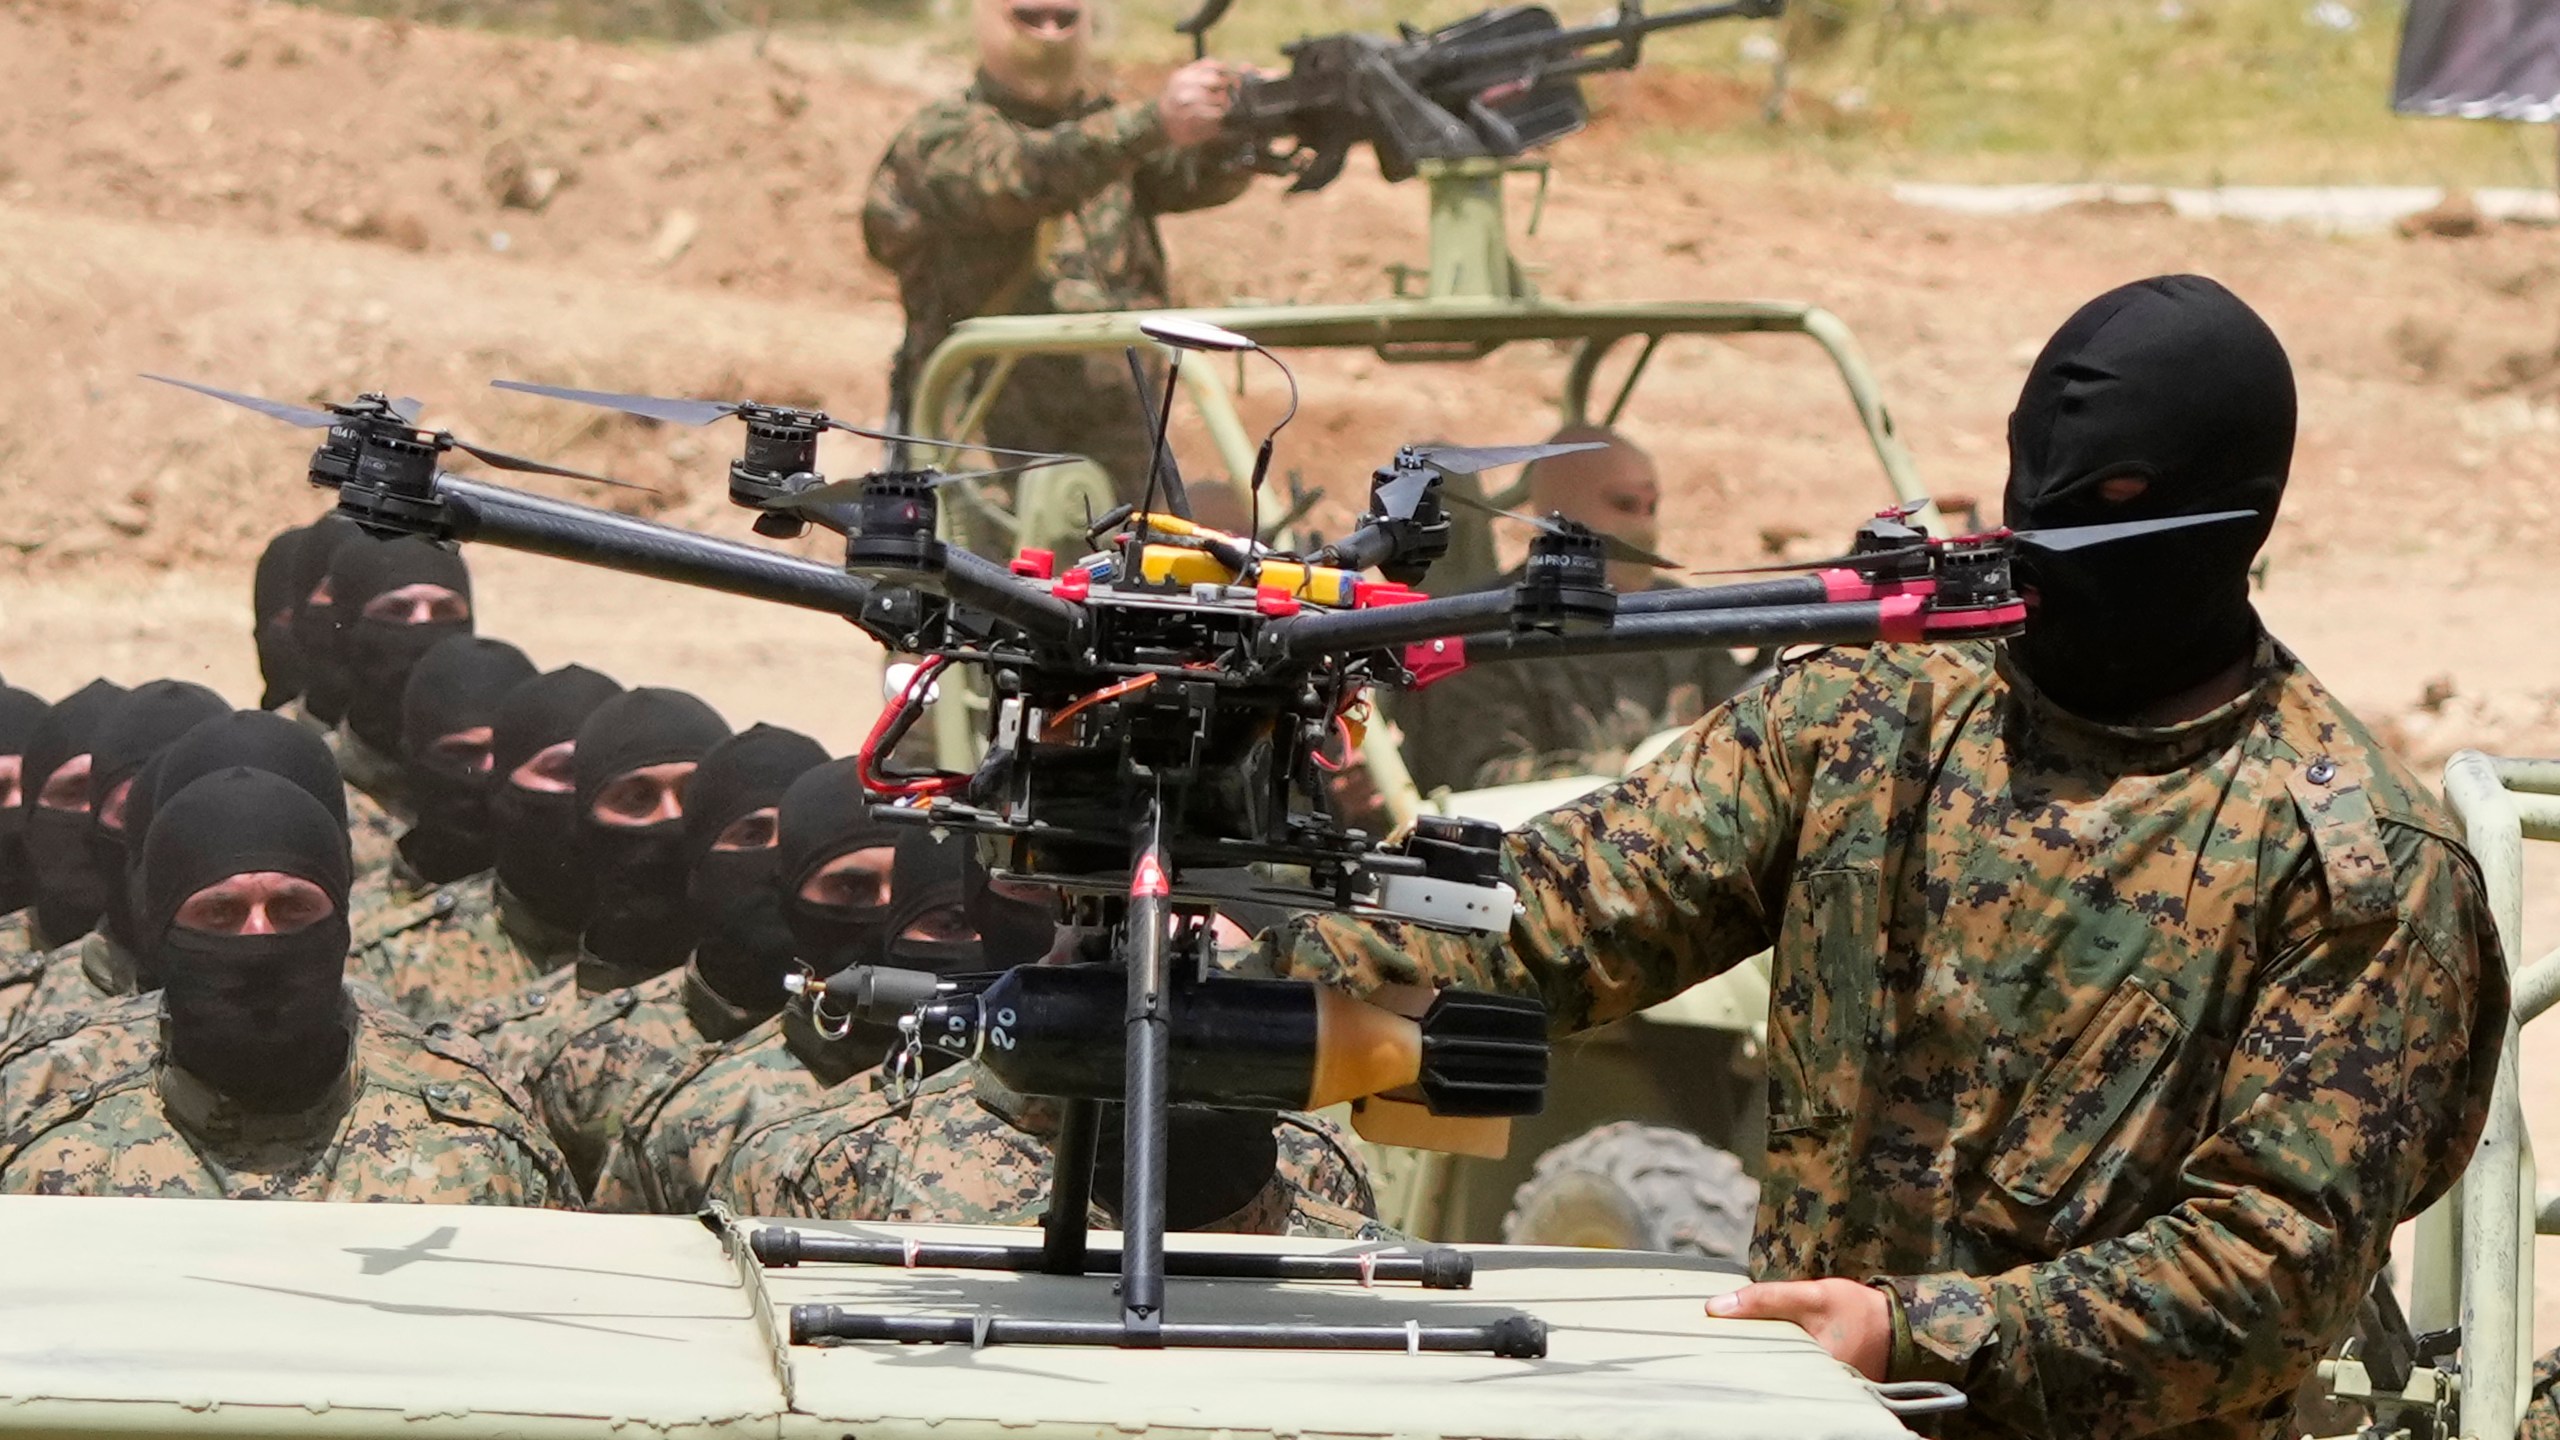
(2081, 1099)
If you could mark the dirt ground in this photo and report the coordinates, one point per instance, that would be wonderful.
(304, 205)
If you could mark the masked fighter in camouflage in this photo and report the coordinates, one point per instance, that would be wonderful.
(266, 1080)
(2127, 994)
(1033, 193)
(106, 963)
(36, 1063)
(588, 1069)
(497, 945)
(852, 892)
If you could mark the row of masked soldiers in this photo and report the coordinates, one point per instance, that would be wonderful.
(431, 924)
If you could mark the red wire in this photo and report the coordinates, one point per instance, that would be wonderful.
(866, 766)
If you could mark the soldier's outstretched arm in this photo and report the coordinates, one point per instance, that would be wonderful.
(2354, 1091)
(1628, 896)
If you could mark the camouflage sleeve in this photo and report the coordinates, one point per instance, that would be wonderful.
(2355, 1089)
(1627, 897)
(964, 166)
(1170, 182)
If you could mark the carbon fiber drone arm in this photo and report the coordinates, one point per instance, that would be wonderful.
(470, 510)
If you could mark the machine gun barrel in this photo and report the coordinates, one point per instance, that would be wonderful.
(1626, 31)
(512, 519)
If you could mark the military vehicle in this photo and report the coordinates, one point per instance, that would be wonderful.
(2458, 1360)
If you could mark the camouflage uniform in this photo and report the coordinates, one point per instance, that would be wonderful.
(986, 204)
(66, 982)
(456, 948)
(587, 1067)
(17, 934)
(377, 816)
(963, 1150)
(72, 1051)
(2122, 1051)
(2542, 1411)
(675, 1137)
(418, 1118)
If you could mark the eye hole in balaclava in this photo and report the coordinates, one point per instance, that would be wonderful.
(253, 971)
(930, 927)
(448, 720)
(2166, 397)
(20, 714)
(147, 720)
(838, 912)
(534, 830)
(316, 622)
(732, 855)
(54, 802)
(640, 741)
(271, 601)
(395, 601)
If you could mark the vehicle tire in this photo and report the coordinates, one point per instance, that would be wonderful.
(1630, 1186)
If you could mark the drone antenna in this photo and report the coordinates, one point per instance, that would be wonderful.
(1160, 464)
(1262, 457)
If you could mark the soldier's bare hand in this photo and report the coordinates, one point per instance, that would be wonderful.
(1195, 100)
(1852, 1321)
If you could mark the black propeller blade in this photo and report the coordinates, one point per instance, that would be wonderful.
(2058, 541)
(1610, 545)
(703, 412)
(2081, 537)
(1475, 459)
(500, 459)
(653, 407)
(302, 415)
(1828, 562)
(838, 492)
(405, 409)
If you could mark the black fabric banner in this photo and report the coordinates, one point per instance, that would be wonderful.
(2480, 60)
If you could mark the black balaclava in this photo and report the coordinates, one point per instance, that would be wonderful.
(640, 922)
(258, 739)
(929, 885)
(826, 814)
(20, 714)
(262, 1019)
(325, 683)
(147, 720)
(534, 833)
(379, 654)
(736, 895)
(69, 894)
(271, 602)
(459, 685)
(1013, 932)
(2177, 382)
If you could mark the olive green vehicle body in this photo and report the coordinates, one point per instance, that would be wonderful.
(1691, 1064)
(360, 1322)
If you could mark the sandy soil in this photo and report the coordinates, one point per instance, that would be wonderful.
(305, 205)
